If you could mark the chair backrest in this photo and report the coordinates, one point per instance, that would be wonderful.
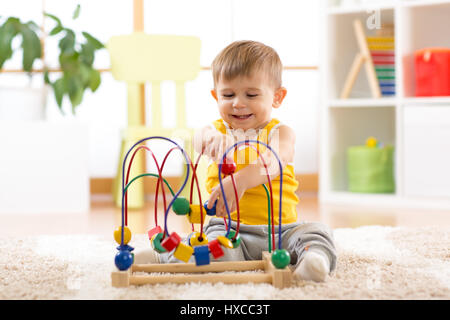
(142, 58)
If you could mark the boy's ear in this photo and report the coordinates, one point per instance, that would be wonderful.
(278, 97)
(214, 94)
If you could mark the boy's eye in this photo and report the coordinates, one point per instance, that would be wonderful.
(229, 95)
(251, 95)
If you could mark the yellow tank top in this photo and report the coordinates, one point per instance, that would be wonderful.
(253, 204)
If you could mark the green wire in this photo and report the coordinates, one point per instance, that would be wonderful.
(268, 219)
(149, 174)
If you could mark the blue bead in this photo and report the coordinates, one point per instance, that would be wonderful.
(212, 211)
(123, 260)
(201, 254)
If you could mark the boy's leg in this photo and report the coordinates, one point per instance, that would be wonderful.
(311, 243)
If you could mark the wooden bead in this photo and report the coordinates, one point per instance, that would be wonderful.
(156, 243)
(201, 254)
(237, 241)
(183, 252)
(154, 231)
(212, 211)
(281, 258)
(171, 242)
(225, 242)
(181, 206)
(215, 249)
(126, 235)
(123, 260)
(194, 239)
(194, 215)
(228, 167)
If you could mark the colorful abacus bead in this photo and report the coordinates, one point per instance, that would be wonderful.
(228, 166)
(126, 235)
(183, 252)
(281, 258)
(123, 260)
(371, 142)
(215, 249)
(225, 242)
(194, 215)
(197, 239)
(181, 206)
(154, 231)
(156, 243)
(236, 242)
(201, 254)
(171, 242)
(212, 211)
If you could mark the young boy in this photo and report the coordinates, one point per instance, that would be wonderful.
(247, 86)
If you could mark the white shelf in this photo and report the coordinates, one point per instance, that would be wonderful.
(348, 122)
(357, 102)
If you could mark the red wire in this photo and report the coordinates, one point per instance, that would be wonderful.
(160, 180)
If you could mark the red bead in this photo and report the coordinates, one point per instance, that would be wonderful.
(154, 231)
(228, 166)
(171, 242)
(215, 249)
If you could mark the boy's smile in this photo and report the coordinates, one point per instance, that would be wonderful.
(247, 102)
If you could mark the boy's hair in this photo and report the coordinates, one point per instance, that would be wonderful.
(241, 58)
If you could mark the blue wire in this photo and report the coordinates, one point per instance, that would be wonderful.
(281, 185)
(174, 197)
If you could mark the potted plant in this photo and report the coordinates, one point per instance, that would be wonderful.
(76, 57)
(21, 103)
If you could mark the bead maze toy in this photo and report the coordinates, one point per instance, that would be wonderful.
(274, 263)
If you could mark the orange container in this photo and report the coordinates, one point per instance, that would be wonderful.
(432, 66)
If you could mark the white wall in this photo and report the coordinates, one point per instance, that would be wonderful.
(290, 26)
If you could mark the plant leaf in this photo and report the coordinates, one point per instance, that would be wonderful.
(59, 88)
(58, 22)
(31, 47)
(94, 80)
(75, 90)
(67, 43)
(56, 30)
(76, 13)
(87, 54)
(93, 41)
(7, 33)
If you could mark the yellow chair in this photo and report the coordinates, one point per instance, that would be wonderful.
(141, 58)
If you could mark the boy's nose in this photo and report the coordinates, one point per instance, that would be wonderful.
(238, 103)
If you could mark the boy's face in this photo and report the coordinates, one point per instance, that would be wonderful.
(247, 102)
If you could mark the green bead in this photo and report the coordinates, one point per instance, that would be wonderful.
(237, 241)
(156, 243)
(181, 206)
(281, 258)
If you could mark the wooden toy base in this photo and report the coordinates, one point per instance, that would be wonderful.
(279, 278)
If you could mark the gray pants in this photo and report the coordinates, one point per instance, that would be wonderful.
(296, 238)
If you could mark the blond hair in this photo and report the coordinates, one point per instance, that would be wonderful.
(242, 58)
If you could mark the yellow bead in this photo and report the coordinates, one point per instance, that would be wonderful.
(194, 241)
(126, 235)
(183, 252)
(194, 215)
(225, 242)
(371, 142)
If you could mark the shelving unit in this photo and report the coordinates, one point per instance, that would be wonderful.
(418, 127)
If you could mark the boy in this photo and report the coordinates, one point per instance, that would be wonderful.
(247, 85)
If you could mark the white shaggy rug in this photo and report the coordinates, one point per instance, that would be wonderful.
(374, 262)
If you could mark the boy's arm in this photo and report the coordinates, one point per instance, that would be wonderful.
(255, 174)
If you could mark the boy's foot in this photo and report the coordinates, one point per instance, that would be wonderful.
(314, 266)
(145, 256)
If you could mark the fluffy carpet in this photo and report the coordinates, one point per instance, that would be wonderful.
(374, 262)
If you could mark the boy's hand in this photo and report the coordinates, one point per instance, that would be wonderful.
(230, 196)
(215, 144)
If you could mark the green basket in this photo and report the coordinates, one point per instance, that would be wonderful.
(370, 170)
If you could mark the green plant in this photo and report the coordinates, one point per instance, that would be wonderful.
(76, 60)
(31, 45)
